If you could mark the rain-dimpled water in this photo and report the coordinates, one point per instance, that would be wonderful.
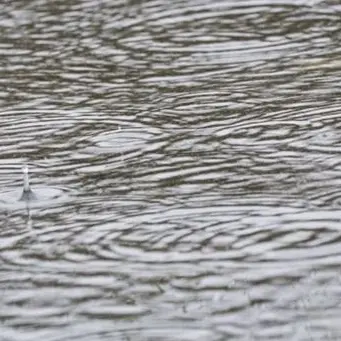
(185, 158)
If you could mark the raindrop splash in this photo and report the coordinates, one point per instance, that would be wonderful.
(27, 193)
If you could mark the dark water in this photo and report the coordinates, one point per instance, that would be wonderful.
(187, 157)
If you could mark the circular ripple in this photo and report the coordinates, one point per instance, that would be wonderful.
(45, 196)
(123, 140)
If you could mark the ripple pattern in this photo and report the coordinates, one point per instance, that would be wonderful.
(187, 157)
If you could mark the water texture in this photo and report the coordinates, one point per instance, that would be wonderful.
(186, 158)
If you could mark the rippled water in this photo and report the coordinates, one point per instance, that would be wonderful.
(186, 155)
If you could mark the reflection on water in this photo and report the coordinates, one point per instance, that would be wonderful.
(186, 160)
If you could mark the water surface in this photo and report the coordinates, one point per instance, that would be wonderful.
(187, 159)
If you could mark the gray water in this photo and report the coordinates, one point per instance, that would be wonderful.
(187, 160)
